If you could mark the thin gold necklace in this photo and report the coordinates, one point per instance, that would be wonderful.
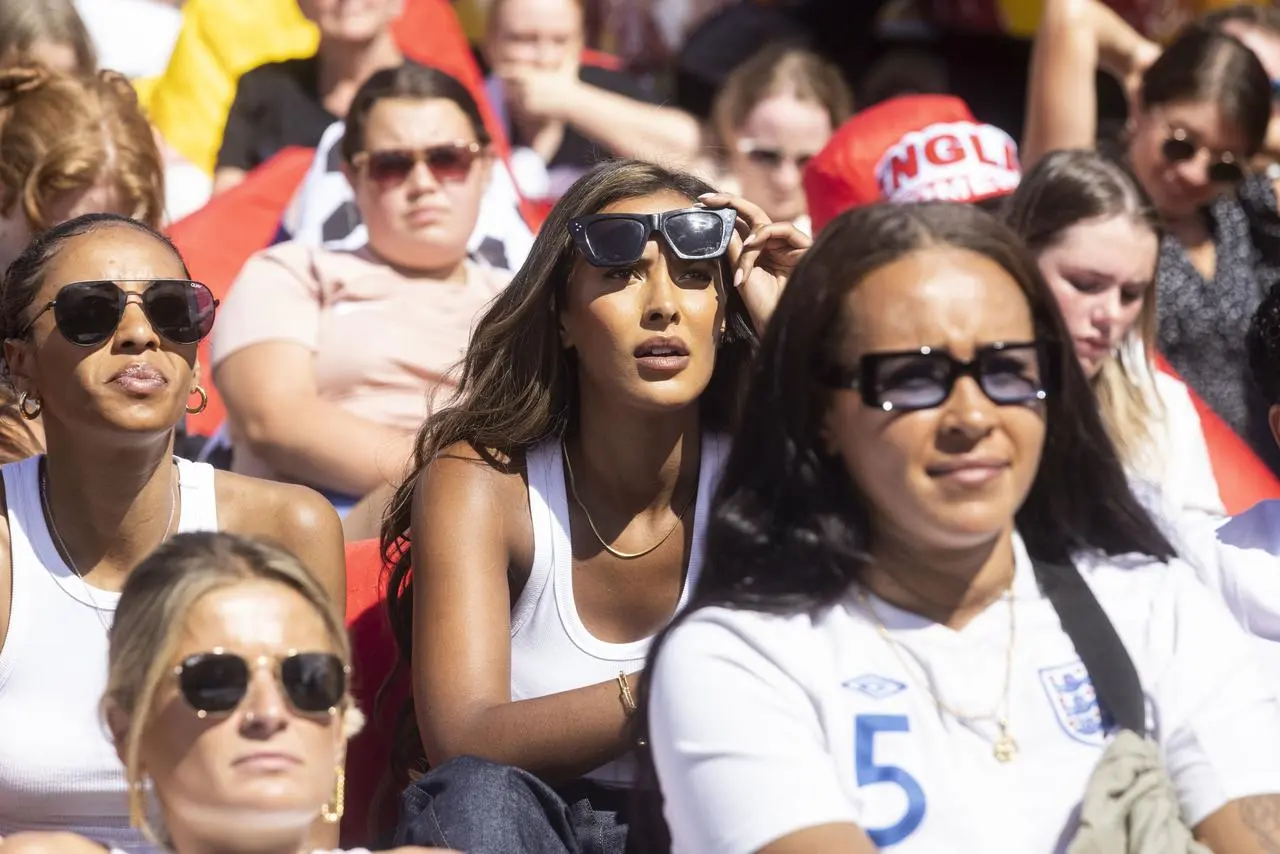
(66, 553)
(1006, 748)
(573, 490)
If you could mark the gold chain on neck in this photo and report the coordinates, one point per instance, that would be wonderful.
(573, 490)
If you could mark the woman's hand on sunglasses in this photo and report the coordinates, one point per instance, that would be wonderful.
(763, 253)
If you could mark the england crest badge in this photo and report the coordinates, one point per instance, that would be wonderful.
(1075, 703)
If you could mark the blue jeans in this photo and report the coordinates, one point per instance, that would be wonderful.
(481, 807)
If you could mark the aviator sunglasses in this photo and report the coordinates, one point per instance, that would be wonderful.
(1007, 373)
(88, 313)
(1179, 147)
(448, 162)
(618, 239)
(217, 682)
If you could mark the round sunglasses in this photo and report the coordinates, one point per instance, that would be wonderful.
(216, 682)
(88, 313)
(1179, 147)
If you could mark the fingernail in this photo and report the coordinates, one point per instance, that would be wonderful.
(737, 278)
(708, 195)
(751, 238)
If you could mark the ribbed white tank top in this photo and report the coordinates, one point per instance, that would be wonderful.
(551, 650)
(58, 769)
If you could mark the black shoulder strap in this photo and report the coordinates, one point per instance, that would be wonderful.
(1111, 670)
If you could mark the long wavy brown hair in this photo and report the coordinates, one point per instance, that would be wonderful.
(518, 385)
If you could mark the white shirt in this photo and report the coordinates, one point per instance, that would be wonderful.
(1178, 459)
(764, 725)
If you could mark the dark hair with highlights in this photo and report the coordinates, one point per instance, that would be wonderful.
(518, 385)
(789, 529)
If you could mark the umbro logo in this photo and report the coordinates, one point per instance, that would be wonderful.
(874, 686)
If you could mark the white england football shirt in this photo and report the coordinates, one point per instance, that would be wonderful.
(764, 725)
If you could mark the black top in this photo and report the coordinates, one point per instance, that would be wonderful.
(1203, 323)
(276, 105)
(576, 151)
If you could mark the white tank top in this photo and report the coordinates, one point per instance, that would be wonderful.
(551, 650)
(58, 768)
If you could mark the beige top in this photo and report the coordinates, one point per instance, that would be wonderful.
(385, 344)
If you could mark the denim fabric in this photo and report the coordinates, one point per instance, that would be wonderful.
(481, 807)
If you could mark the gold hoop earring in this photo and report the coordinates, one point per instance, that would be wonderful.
(204, 401)
(332, 812)
(30, 414)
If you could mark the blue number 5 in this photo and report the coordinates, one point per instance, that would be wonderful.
(868, 772)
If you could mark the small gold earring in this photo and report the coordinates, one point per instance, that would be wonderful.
(30, 414)
(332, 812)
(204, 401)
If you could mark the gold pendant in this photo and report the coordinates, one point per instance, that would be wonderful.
(1006, 748)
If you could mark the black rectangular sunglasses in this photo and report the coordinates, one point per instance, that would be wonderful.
(216, 682)
(904, 381)
(88, 313)
(618, 239)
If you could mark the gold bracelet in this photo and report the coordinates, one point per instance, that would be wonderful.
(625, 695)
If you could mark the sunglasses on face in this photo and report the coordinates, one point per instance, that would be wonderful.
(616, 240)
(449, 162)
(216, 682)
(88, 313)
(1008, 374)
(772, 158)
(1179, 147)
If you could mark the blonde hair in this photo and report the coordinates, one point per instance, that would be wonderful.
(779, 70)
(25, 23)
(1069, 187)
(153, 607)
(60, 133)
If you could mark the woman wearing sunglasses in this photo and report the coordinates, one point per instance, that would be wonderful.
(330, 360)
(775, 112)
(100, 323)
(921, 510)
(227, 700)
(555, 518)
(68, 145)
(1198, 113)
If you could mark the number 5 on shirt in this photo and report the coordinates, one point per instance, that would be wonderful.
(866, 727)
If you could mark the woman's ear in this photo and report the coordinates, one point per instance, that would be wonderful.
(19, 360)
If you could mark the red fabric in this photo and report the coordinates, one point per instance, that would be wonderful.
(600, 59)
(1243, 479)
(216, 240)
(843, 174)
(374, 655)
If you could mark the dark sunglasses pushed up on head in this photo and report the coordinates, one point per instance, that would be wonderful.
(618, 239)
(1007, 373)
(1179, 147)
(217, 682)
(88, 313)
(450, 161)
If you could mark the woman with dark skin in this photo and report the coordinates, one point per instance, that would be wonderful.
(100, 323)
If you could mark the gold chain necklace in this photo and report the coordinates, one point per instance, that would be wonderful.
(1005, 749)
(573, 490)
(65, 553)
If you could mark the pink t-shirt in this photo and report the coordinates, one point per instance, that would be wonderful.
(385, 344)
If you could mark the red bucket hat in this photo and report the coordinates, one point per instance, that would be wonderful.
(913, 148)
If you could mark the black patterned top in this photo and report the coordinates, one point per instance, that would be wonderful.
(1202, 324)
